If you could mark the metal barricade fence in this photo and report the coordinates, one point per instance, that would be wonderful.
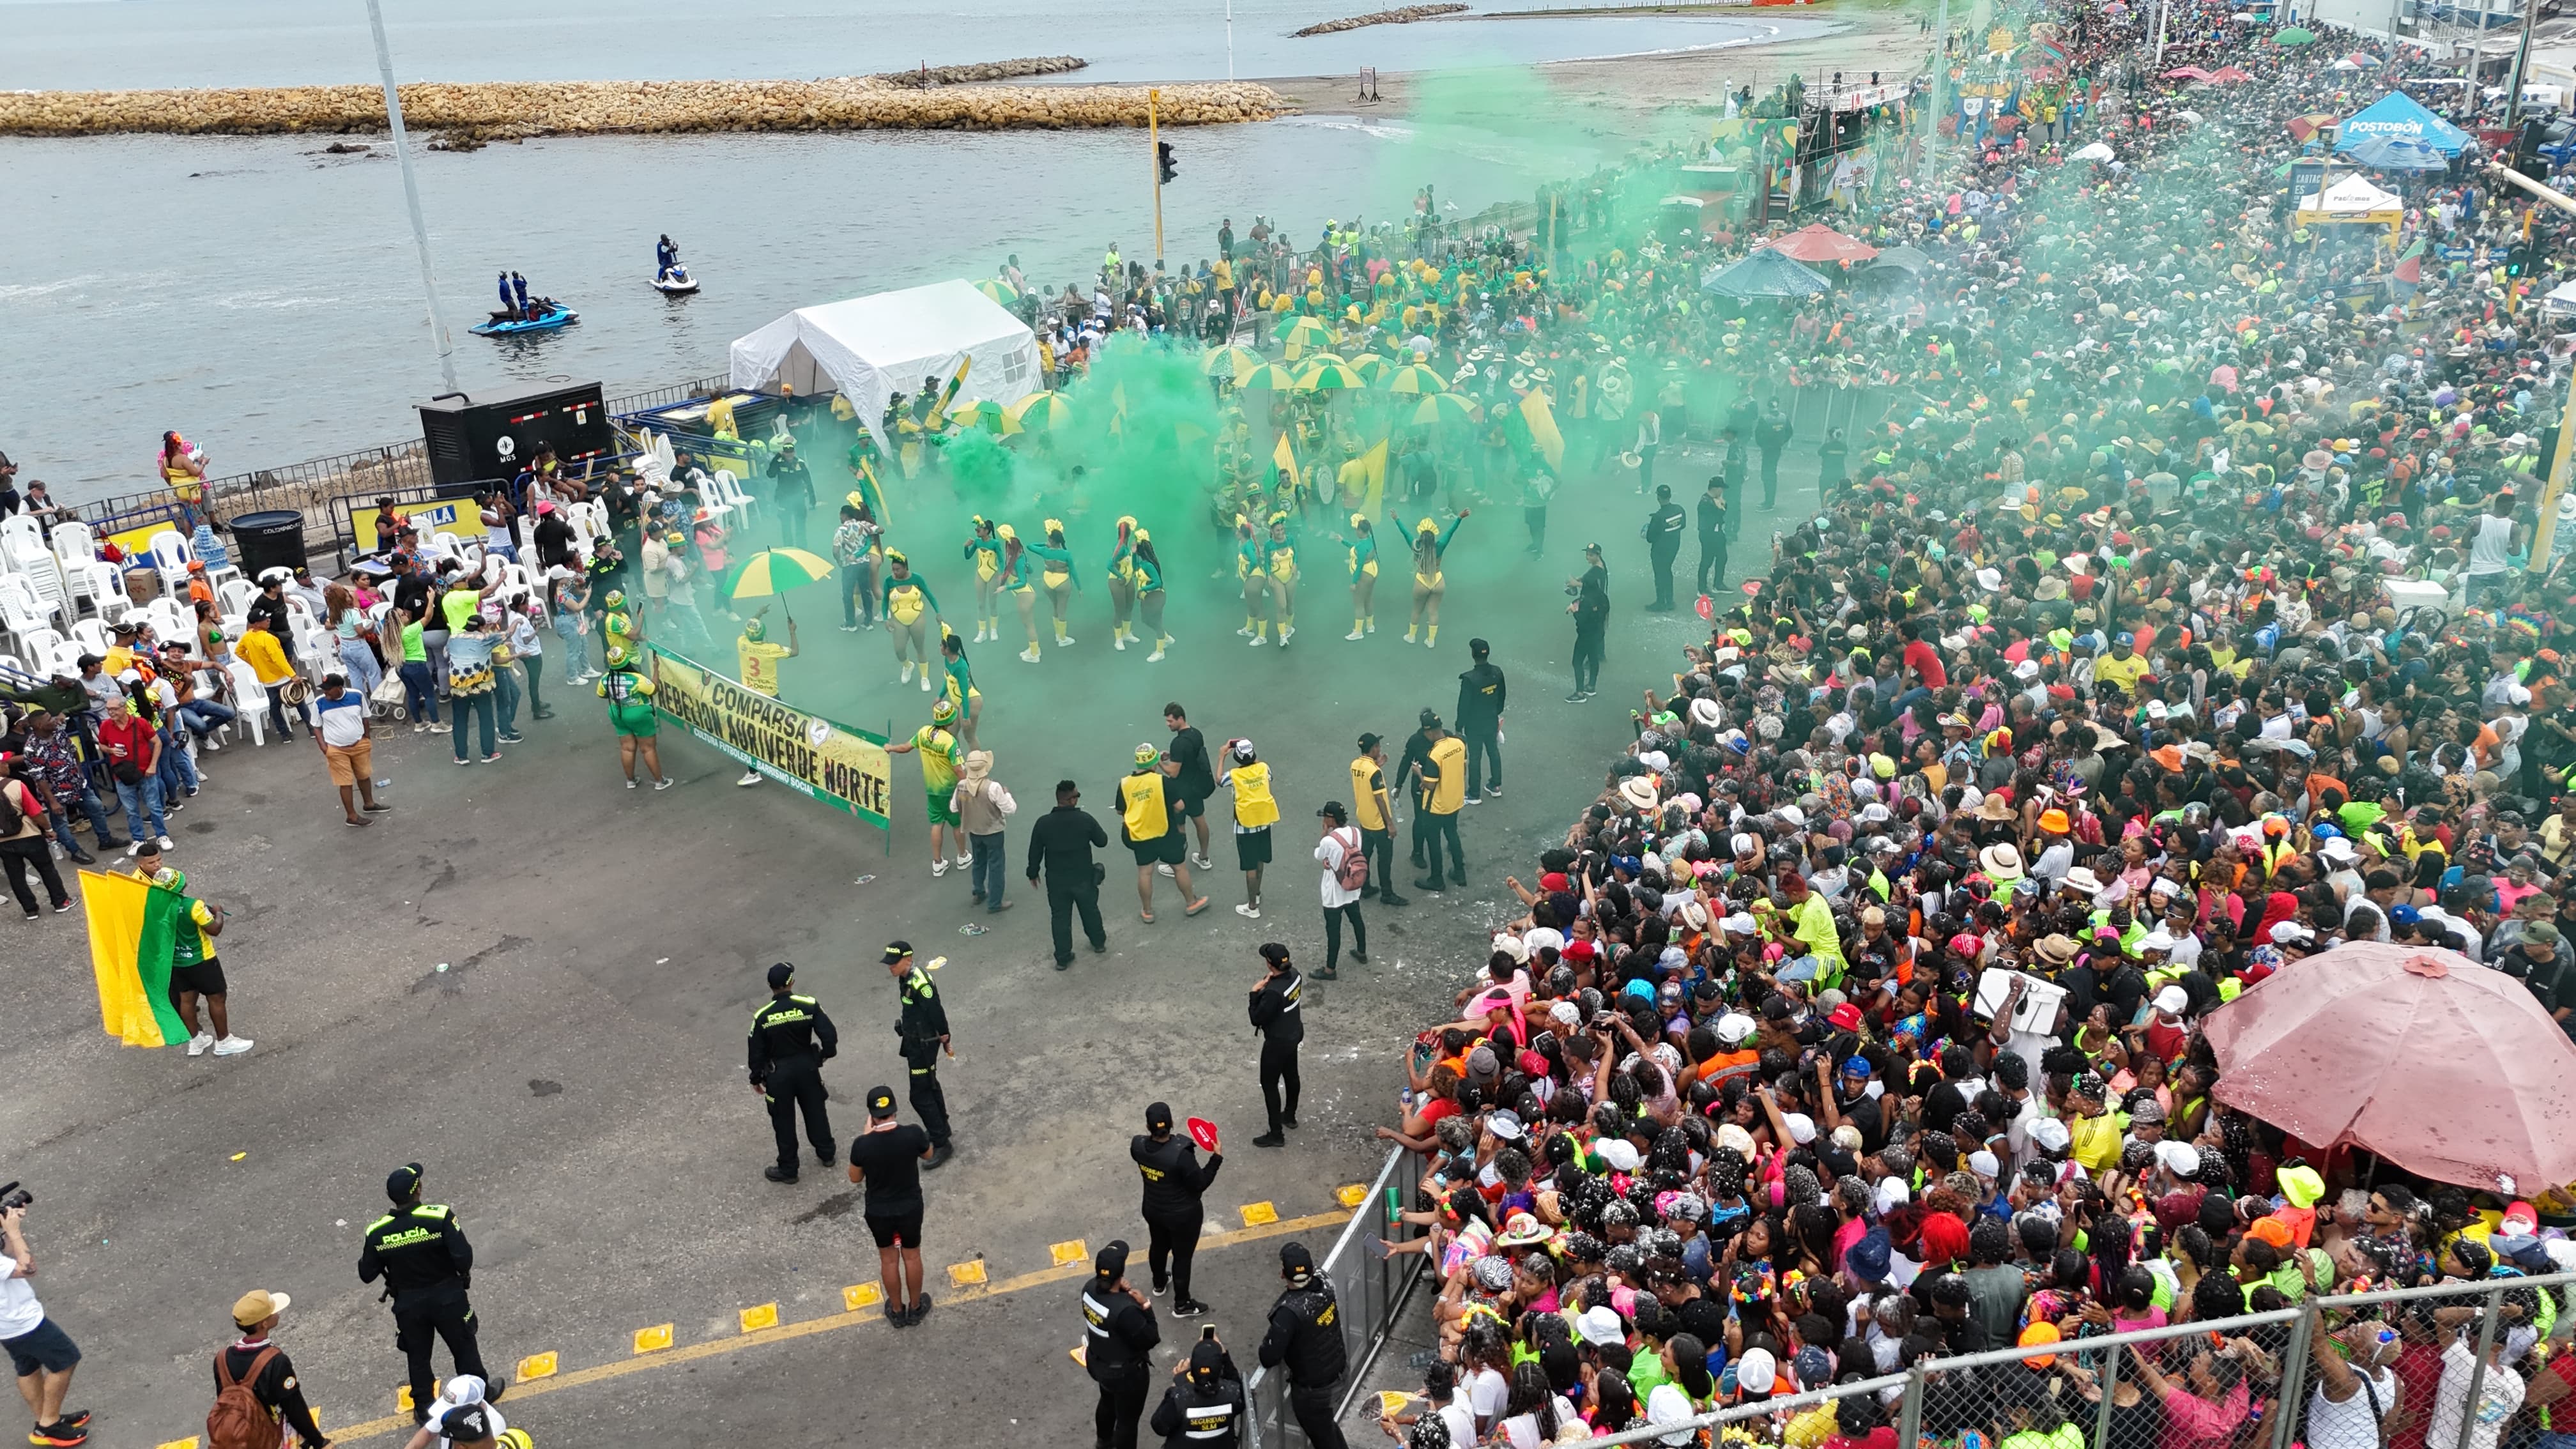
(1369, 1294)
(2090, 1396)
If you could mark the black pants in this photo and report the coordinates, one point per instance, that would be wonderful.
(1484, 746)
(423, 1316)
(1063, 899)
(1176, 1239)
(1122, 1403)
(1712, 563)
(930, 1104)
(1278, 1075)
(1588, 650)
(1429, 831)
(1314, 1409)
(1770, 476)
(1378, 846)
(1662, 555)
(16, 856)
(798, 1082)
(1333, 933)
(1536, 518)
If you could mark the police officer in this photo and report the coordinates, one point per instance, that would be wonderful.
(922, 1032)
(1276, 1015)
(1174, 1181)
(1306, 1334)
(1205, 1408)
(791, 1038)
(421, 1253)
(1118, 1335)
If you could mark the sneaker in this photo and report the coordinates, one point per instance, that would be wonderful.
(83, 857)
(1244, 633)
(1067, 639)
(463, 761)
(1030, 655)
(1285, 635)
(925, 681)
(920, 1309)
(232, 1046)
(1154, 658)
(1158, 870)
(849, 628)
(664, 784)
(1576, 697)
(514, 738)
(58, 1434)
(1431, 887)
(1199, 861)
(1475, 799)
(899, 1317)
(419, 728)
(1118, 642)
(1494, 789)
(1354, 634)
(376, 809)
(493, 758)
(907, 674)
(437, 729)
(938, 867)
(749, 777)
(1249, 913)
(962, 861)
(630, 785)
(1260, 639)
(938, 1157)
(197, 1044)
(1188, 1308)
(133, 848)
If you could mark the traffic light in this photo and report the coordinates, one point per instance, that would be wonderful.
(1164, 169)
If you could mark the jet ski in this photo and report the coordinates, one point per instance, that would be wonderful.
(675, 281)
(545, 316)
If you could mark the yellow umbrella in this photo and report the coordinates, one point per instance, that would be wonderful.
(1270, 375)
(1304, 333)
(997, 289)
(1313, 360)
(1232, 363)
(1036, 413)
(775, 571)
(1371, 366)
(1415, 378)
(1443, 406)
(983, 411)
(1330, 377)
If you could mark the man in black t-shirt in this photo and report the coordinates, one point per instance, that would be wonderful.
(886, 1158)
(1195, 780)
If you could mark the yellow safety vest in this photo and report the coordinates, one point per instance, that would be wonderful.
(1253, 807)
(1140, 800)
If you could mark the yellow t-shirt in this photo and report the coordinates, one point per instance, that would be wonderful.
(267, 657)
(1448, 794)
(2123, 672)
(1366, 780)
(760, 665)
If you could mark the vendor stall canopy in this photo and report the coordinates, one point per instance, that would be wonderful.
(2398, 114)
(870, 348)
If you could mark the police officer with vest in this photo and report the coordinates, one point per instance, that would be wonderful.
(921, 1030)
(791, 1038)
(421, 1253)
(1118, 1335)
(1174, 1181)
(1306, 1335)
(1277, 1012)
(1205, 1408)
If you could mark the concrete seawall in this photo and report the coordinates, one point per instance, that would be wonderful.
(588, 108)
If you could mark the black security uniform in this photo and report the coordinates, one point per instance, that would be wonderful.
(791, 1038)
(1061, 844)
(1204, 1408)
(1306, 1335)
(1174, 1181)
(1276, 1015)
(1118, 1339)
(922, 1030)
(1417, 753)
(1481, 697)
(421, 1253)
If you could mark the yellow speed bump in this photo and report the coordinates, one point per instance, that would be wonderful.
(1258, 1213)
(756, 1319)
(1351, 1194)
(188, 1443)
(968, 1274)
(654, 1339)
(538, 1366)
(861, 1295)
(402, 1394)
(1074, 1251)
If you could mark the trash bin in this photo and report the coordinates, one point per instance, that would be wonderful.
(268, 540)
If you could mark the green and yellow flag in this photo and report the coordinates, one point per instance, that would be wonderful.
(1285, 457)
(1542, 425)
(133, 933)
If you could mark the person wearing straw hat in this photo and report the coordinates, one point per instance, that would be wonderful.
(983, 807)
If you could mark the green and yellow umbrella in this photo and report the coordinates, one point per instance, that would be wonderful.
(997, 289)
(773, 571)
(1305, 333)
(1320, 359)
(982, 412)
(1233, 364)
(1372, 366)
(1037, 413)
(1330, 377)
(1270, 375)
(1447, 407)
(1415, 378)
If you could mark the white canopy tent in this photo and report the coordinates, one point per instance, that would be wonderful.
(870, 348)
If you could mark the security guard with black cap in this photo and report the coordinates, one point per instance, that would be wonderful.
(1174, 1181)
(922, 1031)
(1205, 1408)
(791, 1038)
(1119, 1335)
(1306, 1335)
(421, 1253)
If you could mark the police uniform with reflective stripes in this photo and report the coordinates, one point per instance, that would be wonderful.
(1117, 1338)
(1192, 1417)
(421, 1252)
(791, 1038)
(920, 1028)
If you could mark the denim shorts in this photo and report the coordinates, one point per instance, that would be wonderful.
(43, 1347)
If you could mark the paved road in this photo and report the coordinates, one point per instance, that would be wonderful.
(572, 1077)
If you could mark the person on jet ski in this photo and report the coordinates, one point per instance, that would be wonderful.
(509, 309)
(519, 284)
(666, 258)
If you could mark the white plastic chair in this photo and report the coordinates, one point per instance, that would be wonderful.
(169, 554)
(103, 585)
(20, 614)
(233, 596)
(250, 700)
(37, 646)
(735, 497)
(21, 536)
(75, 544)
(91, 635)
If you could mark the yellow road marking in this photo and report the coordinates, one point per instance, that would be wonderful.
(188, 1443)
(715, 1347)
(756, 1319)
(1351, 1194)
(1257, 1213)
(1072, 1251)
(861, 1295)
(538, 1366)
(654, 1339)
(967, 1274)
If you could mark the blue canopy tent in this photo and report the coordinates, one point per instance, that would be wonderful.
(2398, 115)
(2396, 153)
(1764, 273)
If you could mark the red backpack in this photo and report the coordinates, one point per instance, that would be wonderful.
(1353, 873)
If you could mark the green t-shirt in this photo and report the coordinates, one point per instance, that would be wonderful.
(414, 651)
(1646, 1372)
(457, 606)
(938, 759)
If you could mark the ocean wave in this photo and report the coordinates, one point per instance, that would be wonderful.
(20, 291)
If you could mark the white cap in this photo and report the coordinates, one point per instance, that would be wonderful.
(1620, 1153)
(1600, 1326)
(2179, 1158)
(2288, 931)
(1983, 1164)
(1741, 923)
(1796, 817)
(1802, 1128)
(2172, 1000)
(1892, 1194)
(2050, 1134)
(1735, 1027)
(1669, 1405)
(1757, 1371)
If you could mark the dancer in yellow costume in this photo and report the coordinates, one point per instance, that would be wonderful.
(1149, 594)
(1018, 581)
(1279, 558)
(1055, 575)
(984, 550)
(960, 682)
(1430, 541)
(1122, 583)
(1249, 571)
(908, 605)
(1363, 550)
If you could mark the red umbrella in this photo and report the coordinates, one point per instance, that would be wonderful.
(2308, 125)
(1821, 243)
(2188, 72)
(2434, 1062)
(2231, 73)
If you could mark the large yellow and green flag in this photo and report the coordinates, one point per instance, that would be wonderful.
(133, 933)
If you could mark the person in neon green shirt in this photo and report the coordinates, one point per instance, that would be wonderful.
(1808, 920)
(760, 666)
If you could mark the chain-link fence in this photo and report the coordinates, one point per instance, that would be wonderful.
(1369, 1291)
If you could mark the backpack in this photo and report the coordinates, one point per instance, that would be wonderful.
(1353, 872)
(239, 1420)
(13, 815)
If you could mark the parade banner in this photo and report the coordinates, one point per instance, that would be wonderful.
(843, 767)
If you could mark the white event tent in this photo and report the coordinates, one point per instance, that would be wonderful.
(869, 348)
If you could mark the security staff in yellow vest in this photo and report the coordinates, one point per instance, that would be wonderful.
(1440, 792)
(1373, 811)
(1255, 811)
(1150, 823)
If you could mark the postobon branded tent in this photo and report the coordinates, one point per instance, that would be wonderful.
(2352, 201)
(2399, 114)
(870, 348)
